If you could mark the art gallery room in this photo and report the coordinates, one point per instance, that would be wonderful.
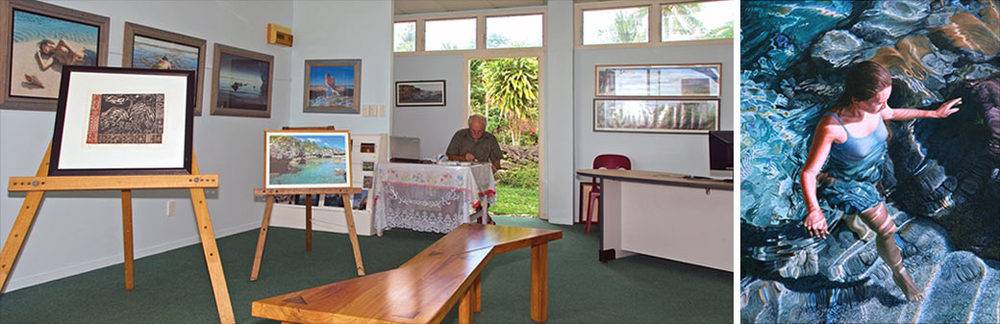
(412, 161)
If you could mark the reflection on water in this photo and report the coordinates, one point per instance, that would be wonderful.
(314, 171)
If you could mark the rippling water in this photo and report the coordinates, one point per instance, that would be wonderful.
(30, 27)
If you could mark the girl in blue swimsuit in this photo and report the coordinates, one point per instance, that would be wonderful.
(851, 141)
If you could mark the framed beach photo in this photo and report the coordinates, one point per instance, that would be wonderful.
(656, 115)
(675, 80)
(332, 86)
(151, 48)
(307, 159)
(430, 93)
(123, 121)
(241, 82)
(39, 41)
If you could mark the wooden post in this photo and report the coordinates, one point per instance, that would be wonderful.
(127, 239)
(309, 223)
(477, 295)
(352, 233)
(262, 237)
(212, 259)
(539, 282)
(465, 308)
(22, 224)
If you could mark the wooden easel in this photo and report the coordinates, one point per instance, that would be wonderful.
(345, 195)
(37, 186)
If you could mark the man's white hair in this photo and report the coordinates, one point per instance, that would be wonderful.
(479, 117)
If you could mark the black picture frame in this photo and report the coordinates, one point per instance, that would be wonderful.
(57, 145)
(444, 94)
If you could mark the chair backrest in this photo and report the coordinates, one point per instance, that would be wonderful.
(612, 161)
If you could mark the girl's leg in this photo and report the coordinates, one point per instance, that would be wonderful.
(878, 219)
(855, 224)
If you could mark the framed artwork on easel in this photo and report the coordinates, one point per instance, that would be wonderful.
(123, 121)
(307, 159)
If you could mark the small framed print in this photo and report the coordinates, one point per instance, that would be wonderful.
(123, 121)
(656, 115)
(367, 166)
(367, 147)
(421, 93)
(368, 181)
(307, 159)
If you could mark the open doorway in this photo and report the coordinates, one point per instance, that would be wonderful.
(506, 91)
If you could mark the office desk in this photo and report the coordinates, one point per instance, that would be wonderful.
(665, 215)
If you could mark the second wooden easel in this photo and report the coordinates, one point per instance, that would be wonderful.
(39, 184)
(345, 195)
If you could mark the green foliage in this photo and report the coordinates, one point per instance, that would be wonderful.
(506, 92)
(626, 28)
(515, 201)
(407, 41)
(520, 177)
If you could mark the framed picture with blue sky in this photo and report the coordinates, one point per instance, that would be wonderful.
(332, 86)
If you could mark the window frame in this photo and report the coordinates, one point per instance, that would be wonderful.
(480, 16)
(475, 42)
(655, 15)
(415, 33)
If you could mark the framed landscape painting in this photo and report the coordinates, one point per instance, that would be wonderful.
(123, 121)
(241, 82)
(681, 80)
(332, 86)
(656, 115)
(421, 93)
(39, 41)
(307, 159)
(151, 48)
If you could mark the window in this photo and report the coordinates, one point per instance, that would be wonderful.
(451, 34)
(698, 20)
(616, 26)
(404, 36)
(514, 31)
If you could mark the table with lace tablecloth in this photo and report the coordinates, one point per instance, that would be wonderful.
(431, 197)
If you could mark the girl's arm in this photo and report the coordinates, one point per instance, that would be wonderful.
(815, 222)
(943, 111)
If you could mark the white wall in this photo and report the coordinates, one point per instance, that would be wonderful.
(433, 125)
(344, 30)
(78, 232)
(680, 153)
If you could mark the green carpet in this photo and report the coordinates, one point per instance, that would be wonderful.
(173, 287)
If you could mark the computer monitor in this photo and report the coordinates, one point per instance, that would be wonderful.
(720, 150)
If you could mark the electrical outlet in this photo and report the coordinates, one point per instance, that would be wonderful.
(171, 208)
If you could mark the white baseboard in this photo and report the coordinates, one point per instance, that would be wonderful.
(71, 270)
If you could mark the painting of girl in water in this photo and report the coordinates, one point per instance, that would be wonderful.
(332, 86)
(44, 38)
(151, 48)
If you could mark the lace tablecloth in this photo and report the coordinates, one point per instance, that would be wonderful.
(430, 197)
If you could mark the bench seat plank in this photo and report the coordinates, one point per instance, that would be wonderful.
(422, 290)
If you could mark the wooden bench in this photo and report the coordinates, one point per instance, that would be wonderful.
(426, 287)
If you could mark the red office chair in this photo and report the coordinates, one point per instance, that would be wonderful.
(607, 161)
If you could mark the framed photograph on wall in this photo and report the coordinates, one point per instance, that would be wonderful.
(307, 159)
(431, 93)
(123, 121)
(39, 41)
(332, 86)
(676, 80)
(151, 48)
(241, 82)
(656, 115)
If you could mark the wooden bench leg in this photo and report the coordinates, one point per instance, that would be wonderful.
(539, 282)
(262, 237)
(127, 239)
(465, 308)
(477, 295)
(309, 223)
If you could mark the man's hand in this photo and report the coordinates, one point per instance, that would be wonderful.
(946, 109)
(469, 157)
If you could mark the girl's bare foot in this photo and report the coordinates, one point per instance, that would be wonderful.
(905, 283)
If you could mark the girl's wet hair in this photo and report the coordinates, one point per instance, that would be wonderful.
(45, 42)
(863, 81)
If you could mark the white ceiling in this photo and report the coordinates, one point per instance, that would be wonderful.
(404, 7)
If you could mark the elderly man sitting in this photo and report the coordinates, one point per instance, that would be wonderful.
(474, 144)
